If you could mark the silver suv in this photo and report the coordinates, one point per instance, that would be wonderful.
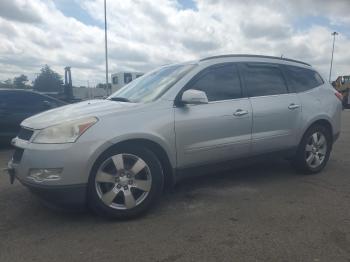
(118, 154)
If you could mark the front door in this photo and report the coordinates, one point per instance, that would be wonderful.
(219, 130)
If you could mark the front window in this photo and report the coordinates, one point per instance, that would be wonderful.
(152, 85)
(219, 83)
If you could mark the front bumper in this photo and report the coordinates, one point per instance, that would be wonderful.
(74, 161)
(69, 196)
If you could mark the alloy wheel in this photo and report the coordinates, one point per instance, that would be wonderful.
(316, 150)
(123, 181)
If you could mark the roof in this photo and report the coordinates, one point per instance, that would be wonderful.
(257, 56)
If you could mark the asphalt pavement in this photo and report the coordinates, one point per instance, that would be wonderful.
(262, 212)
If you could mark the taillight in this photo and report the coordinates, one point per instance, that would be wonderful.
(339, 95)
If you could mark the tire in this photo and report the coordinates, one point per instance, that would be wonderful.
(125, 182)
(314, 150)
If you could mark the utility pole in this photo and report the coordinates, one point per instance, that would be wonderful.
(106, 50)
(330, 70)
(88, 89)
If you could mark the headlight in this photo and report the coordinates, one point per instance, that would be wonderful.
(67, 132)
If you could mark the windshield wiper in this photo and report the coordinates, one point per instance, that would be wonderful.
(120, 99)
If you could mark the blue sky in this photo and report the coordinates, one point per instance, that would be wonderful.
(188, 4)
(72, 8)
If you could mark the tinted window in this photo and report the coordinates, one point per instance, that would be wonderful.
(219, 83)
(21, 99)
(264, 80)
(3, 96)
(302, 79)
(127, 78)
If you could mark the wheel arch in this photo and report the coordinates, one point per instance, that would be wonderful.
(323, 122)
(156, 148)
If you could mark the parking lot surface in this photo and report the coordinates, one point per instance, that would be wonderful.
(262, 212)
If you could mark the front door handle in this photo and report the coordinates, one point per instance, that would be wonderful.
(240, 112)
(293, 106)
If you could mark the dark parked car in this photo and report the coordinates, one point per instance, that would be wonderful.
(17, 105)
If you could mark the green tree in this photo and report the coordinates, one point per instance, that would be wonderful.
(48, 81)
(20, 81)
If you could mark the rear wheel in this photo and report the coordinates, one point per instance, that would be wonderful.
(314, 150)
(125, 182)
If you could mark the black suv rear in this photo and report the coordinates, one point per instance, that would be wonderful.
(17, 105)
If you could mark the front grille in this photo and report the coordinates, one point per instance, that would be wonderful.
(25, 134)
(17, 156)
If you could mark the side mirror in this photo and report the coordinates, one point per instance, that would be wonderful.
(194, 97)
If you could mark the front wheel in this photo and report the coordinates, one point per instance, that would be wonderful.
(314, 150)
(125, 182)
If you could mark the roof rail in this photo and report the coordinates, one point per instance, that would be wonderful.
(259, 56)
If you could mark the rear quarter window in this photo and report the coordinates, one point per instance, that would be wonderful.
(302, 79)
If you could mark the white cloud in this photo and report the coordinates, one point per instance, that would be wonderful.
(147, 33)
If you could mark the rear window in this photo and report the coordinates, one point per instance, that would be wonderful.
(302, 79)
(264, 80)
(18, 99)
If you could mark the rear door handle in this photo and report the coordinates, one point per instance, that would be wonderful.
(293, 106)
(240, 112)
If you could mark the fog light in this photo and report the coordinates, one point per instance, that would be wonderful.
(45, 174)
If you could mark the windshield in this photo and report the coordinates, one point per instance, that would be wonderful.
(152, 85)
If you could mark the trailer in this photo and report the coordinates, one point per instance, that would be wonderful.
(120, 79)
(342, 85)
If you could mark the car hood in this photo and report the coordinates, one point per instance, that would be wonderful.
(96, 108)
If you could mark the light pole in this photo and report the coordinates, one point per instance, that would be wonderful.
(106, 50)
(330, 70)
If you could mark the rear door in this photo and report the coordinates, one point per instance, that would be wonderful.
(219, 130)
(304, 82)
(276, 110)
